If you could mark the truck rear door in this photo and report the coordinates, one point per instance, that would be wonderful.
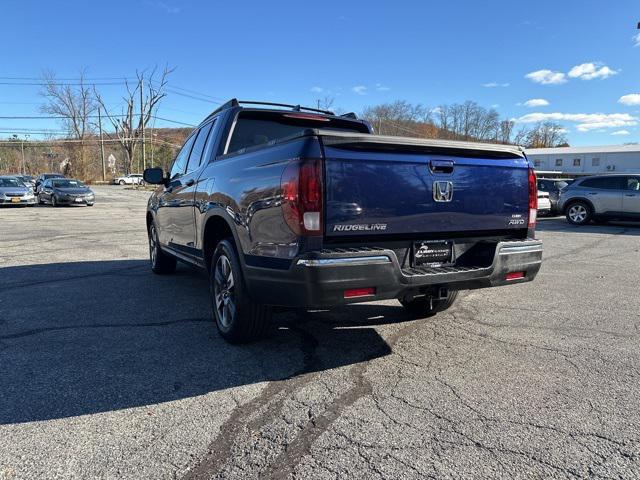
(388, 191)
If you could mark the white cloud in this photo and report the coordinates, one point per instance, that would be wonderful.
(536, 102)
(170, 9)
(382, 88)
(621, 132)
(360, 89)
(591, 70)
(317, 89)
(630, 99)
(546, 77)
(636, 40)
(495, 84)
(585, 121)
(495, 105)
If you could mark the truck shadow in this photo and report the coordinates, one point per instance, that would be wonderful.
(88, 337)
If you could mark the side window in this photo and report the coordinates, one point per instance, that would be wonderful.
(195, 159)
(611, 183)
(633, 183)
(558, 162)
(180, 162)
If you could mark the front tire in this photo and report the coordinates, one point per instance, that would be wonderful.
(121, 182)
(426, 307)
(579, 213)
(238, 318)
(161, 263)
(54, 201)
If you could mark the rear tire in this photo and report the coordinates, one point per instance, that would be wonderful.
(161, 263)
(578, 213)
(424, 307)
(239, 319)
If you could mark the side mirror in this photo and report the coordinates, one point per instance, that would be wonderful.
(154, 176)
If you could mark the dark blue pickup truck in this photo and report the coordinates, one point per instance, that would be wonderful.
(291, 206)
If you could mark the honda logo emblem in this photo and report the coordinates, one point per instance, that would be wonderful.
(442, 191)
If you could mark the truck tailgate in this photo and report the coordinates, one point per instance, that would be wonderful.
(396, 188)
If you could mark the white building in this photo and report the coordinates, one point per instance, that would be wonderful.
(586, 160)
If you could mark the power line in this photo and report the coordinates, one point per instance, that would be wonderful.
(60, 84)
(42, 143)
(69, 78)
(62, 117)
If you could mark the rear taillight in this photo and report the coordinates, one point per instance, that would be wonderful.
(533, 198)
(301, 185)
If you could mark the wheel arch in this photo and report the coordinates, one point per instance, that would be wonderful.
(579, 199)
(217, 228)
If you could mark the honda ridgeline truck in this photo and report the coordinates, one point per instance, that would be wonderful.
(297, 207)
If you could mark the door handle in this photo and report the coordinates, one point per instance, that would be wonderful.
(441, 166)
(593, 193)
(629, 194)
(190, 182)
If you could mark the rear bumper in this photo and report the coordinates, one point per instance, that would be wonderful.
(320, 279)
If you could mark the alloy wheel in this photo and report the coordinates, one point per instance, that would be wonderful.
(153, 245)
(578, 213)
(224, 291)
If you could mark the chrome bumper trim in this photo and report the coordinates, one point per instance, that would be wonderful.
(325, 262)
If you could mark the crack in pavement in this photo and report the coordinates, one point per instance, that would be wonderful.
(115, 271)
(37, 331)
(268, 404)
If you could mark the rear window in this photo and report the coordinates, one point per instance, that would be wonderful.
(254, 128)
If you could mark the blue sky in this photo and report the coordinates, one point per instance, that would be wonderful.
(362, 53)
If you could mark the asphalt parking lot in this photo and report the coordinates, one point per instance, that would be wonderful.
(108, 371)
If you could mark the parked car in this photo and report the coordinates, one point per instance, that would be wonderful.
(65, 191)
(304, 208)
(131, 179)
(544, 203)
(28, 180)
(42, 177)
(601, 198)
(14, 192)
(553, 186)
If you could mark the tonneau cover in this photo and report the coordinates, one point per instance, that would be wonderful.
(385, 142)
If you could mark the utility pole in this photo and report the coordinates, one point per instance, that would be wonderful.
(22, 148)
(144, 159)
(104, 172)
(24, 165)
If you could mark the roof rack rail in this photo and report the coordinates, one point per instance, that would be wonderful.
(350, 115)
(231, 103)
(293, 107)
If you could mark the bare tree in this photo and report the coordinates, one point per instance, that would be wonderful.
(325, 103)
(140, 102)
(397, 118)
(74, 103)
(545, 135)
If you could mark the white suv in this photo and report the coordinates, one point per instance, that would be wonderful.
(131, 179)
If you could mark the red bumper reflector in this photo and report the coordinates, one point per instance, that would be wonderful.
(359, 292)
(514, 276)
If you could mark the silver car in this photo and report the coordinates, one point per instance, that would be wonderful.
(130, 179)
(14, 192)
(601, 198)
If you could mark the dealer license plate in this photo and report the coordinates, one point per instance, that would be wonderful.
(432, 253)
